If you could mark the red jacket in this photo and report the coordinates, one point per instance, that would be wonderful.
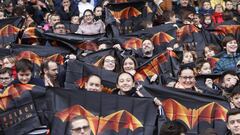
(217, 18)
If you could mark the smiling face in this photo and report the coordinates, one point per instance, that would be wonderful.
(88, 17)
(109, 63)
(231, 47)
(125, 82)
(128, 65)
(147, 47)
(208, 52)
(187, 78)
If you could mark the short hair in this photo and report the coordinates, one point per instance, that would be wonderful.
(172, 128)
(98, 6)
(124, 73)
(167, 14)
(232, 112)
(228, 72)
(24, 65)
(227, 39)
(200, 63)
(79, 117)
(227, 15)
(235, 91)
(56, 24)
(95, 76)
(6, 70)
(88, 10)
(132, 58)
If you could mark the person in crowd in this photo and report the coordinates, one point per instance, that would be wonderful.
(79, 126)
(206, 8)
(50, 73)
(83, 5)
(146, 52)
(98, 13)
(9, 62)
(108, 63)
(8, 9)
(235, 97)
(94, 83)
(184, 5)
(59, 28)
(54, 18)
(217, 16)
(189, 57)
(197, 20)
(229, 80)
(203, 67)
(229, 6)
(125, 85)
(2, 14)
(75, 20)
(233, 122)
(228, 18)
(5, 78)
(25, 73)
(67, 10)
(210, 51)
(237, 15)
(207, 21)
(229, 60)
(89, 26)
(187, 80)
(129, 65)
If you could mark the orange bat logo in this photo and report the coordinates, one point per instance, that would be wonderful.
(133, 43)
(161, 37)
(9, 30)
(191, 117)
(13, 91)
(88, 45)
(126, 13)
(186, 30)
(153, 66)
(81, 83)
(115, 121)
(59, 59)
(30, 32)
(227, 29)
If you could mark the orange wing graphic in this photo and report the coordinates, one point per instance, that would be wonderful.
(9, 30)
(186, 30)
(30, 56)
(133, 43)
(30, 32)
(91, 46)
(58, 58)
(13, 91)
(126, 13)
(191, 117)
(227, 29)
(115, 121)
(161, 37)
(152, 67)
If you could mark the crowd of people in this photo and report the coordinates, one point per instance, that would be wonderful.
(88, 18)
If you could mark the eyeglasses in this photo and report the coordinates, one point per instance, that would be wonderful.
(188, 77)
(108, 61)
(78, 129)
